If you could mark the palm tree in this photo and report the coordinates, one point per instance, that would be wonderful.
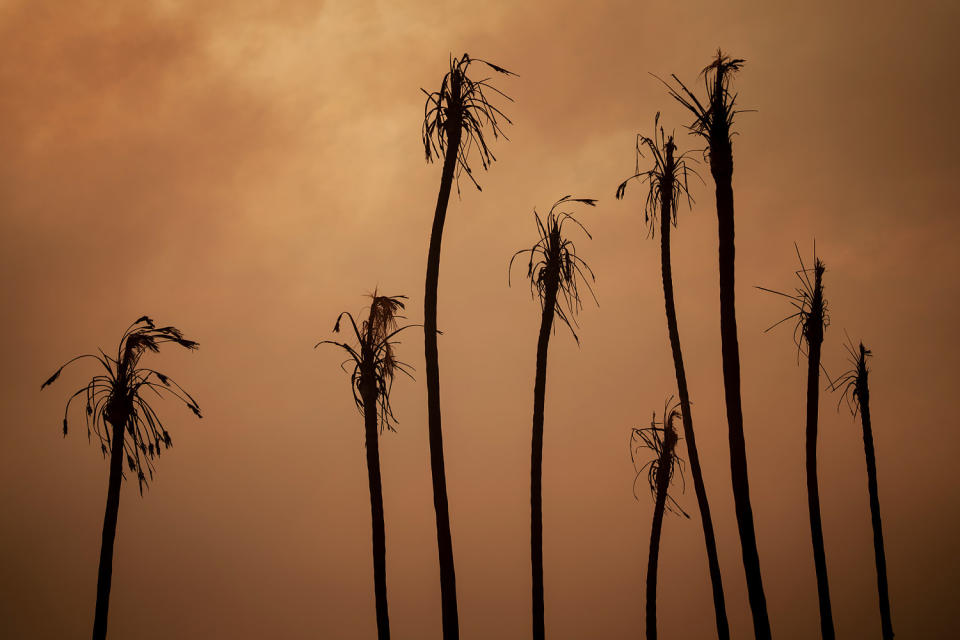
(371, 381)
(454, 123)
(713, 121)
(662, 441)
(667, 182)
(856, 390)
(554, 270)
(812, 319)
(118, 413)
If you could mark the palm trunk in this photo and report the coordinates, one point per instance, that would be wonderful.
(666, 202)
(536, 450)
(448, 579)
(105, 573)
(721, 166)
(376, 512)
(813, 492)
(662, 481)
(863, 392)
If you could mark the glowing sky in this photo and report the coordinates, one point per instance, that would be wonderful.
(246, 171)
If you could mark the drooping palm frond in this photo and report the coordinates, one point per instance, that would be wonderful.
(668, 178)
(853, 382)
(554, 251)
(811, 313)
(713, 118)
(462, 104)
(661, 438)
(373, 354)
(118, 395)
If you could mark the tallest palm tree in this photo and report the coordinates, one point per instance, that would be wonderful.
(713, 121)
(456, 120)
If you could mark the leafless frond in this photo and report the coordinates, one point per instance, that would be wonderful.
(661, 438)
(853, 383)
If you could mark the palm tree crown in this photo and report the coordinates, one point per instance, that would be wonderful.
(117, 395)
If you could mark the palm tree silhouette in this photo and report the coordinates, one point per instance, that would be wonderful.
(454, 123)
(713, 121)
(118, 412)
(812, 319)
(662, 441)
(856, 389)
(371, 380)
(555, 271)
(667, 181)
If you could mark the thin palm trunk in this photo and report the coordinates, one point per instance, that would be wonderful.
(376, 507)
(863, 391)
(663, 482)
(536, 450)
(666, 207)
(105, 573)
(448, 580)
(721, 166)
(814, 342)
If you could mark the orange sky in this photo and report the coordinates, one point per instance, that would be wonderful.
(247, 173)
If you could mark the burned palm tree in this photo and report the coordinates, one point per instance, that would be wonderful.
(371, 380)
(667, 183)
(457, 119)
(659, 471)
(810, 313)
(127, 426)
(713, 120)
(556, 273)
(856, 389)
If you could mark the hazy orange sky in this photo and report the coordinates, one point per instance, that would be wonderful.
(246, 171)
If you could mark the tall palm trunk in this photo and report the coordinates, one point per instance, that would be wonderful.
(666, 207)
(663, 482)
(448, 579)
(376, 505)
(863, 393)
(105, 573)
(814, 337)
(536, 449)
(721, 166)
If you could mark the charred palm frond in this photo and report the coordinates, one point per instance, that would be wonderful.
(669, 172)
(661, 438)
(713, 119)
(374, 353)
(462, 105)
(553, 253)
(119, 394)
(853, 383)
(811, 313)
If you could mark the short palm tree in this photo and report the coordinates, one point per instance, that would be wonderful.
(371, 379)
(811, 319)
(659, 470)
(667, 182)
(713, 120)
(856, 389)
(555, 272)
(457, 119)
(119, 413)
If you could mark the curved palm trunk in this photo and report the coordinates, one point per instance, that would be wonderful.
(886, 625)
(813, 492)
(663, 481)
(448, 579)
(376, 513)
(105, 573)
(666, 202)
(721, 166)
(536, 450)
